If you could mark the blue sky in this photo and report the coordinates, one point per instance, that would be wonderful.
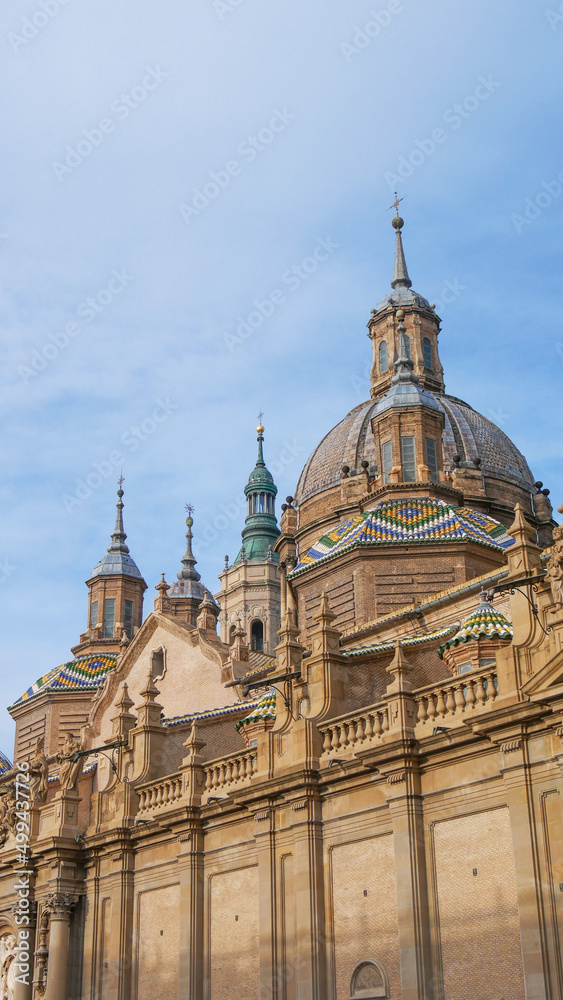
(176, 163)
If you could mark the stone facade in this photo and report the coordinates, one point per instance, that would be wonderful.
(373, 808)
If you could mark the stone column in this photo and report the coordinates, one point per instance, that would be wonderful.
(406, 810)
(309, 898)
(526, 866)
(264, 833)
(24, 991)
(60, 906)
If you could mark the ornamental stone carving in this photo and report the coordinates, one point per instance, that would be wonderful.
(69, 768)
(38, 773)
(60, 905)
(554, 574)
(7, 966)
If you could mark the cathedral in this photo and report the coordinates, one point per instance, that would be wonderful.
(338, 777)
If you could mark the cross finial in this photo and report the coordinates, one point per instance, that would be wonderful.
(121, 480)
(260, 415)
(396, 203)
(190, 509)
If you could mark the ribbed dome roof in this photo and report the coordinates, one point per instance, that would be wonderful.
(466, 433)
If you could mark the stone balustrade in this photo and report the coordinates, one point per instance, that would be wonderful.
(456, 696)
(164, 792)
(362, 727)
(229, 772)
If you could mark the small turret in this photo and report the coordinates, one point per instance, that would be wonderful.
(251, 586)
(186, 594)
(116, 588)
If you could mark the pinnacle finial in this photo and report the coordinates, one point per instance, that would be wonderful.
(260, 431)
(400, 274)
(189, 571)
(118, 535)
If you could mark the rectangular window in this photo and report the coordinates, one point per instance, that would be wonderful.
(128, 619)
(109, 618)
(431, 459)
(408, 459)
(387, 457)
(93, 614)
(465, 668)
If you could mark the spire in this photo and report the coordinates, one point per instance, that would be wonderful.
(261, 528)
(400, 274)
(118, 535)
(189, 571)
(260, 463)
(118, 560)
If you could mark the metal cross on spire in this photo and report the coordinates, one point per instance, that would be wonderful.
(260, 415)
(396, 203)
(190, 509)
(121, 480)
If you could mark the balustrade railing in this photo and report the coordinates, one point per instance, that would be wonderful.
(227, 772)
(457, 696)
(160, 793)
(361, 727)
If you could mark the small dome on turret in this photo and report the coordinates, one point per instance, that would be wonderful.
(118, 560)
(261, 527)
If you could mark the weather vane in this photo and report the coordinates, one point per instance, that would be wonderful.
(190, 509)
(396, 203)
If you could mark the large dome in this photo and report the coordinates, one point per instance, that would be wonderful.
(466, 433)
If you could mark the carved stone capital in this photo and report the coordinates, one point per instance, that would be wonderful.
(60, 905)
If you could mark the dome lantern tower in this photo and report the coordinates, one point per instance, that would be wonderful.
(422, 328)
(250, 594)
(115, 594)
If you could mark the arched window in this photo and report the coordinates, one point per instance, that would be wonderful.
(257, 635)
(232, 631)
(383, 362)
(368, 982)
(408, 347)
(427, 353)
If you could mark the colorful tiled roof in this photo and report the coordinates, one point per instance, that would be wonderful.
(265, 709)
(86, 673)
(484, 623)
(5, 764)
(213, 713)
(407, 521)
(415, 640)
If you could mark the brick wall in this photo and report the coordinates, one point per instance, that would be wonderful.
(158, 963)
(234, 952)
(478, 916)
(365, 926)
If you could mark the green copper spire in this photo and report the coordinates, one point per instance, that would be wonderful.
(261, 528)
